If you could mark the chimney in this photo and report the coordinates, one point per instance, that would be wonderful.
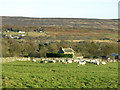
(61, 47)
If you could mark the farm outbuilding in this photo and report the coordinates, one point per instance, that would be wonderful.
(21, 32)
(114, 56)
(66, 51)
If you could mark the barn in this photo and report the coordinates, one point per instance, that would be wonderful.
(114, 56)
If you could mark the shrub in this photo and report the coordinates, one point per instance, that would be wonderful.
(59, 55)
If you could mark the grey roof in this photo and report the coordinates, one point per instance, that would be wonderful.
(67, 49)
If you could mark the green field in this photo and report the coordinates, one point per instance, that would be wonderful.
(26, 74)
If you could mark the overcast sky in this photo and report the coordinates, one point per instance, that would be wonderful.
(102, 9)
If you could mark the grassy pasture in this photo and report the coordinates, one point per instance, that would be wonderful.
(26, 74)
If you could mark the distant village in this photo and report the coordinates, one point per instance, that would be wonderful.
(22, 33)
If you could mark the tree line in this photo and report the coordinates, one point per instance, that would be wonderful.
(33, 48)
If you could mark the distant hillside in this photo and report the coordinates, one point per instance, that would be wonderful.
(69, 23)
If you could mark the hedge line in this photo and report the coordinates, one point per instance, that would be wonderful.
(59, 55)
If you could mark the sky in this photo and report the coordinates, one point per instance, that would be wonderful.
(101, 9)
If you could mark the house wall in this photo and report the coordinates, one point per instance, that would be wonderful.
(69, 53)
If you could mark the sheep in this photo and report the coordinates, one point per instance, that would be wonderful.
(103, 63)
(69, 61)
(88, 61)
(33, 60)
(93, 61)
(53, 61)
(75, 60)
(45, 61)
(64, 61)
(81, 63)
(29, 59)
(96, 62)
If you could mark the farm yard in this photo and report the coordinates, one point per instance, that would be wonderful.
(28, 74)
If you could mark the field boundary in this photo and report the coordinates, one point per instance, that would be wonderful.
(11, 59)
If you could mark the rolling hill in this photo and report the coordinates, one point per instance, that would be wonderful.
(66, 28)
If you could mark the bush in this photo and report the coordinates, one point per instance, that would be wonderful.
(59, 55)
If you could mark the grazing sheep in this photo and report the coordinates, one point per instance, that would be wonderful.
(64, 61)
(45, 61)
(29, 59)
(69, 61)
(97, 63)
(103, 63)
(33, 60)
(93, 61)
(75, 60)
(88, 61)
(81, 62)
(54, 61)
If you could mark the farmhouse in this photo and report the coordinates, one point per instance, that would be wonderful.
(22, 35)
(21, 32)
(66, 51)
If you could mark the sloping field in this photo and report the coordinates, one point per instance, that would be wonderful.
(27, 74)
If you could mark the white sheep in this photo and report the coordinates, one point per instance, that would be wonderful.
(64, 62)
(81, 62)
(93, 61)
(29, 59)
(53, 61)
(103, 63)
(33, 60)
(88, 61)
(45, 61)
(69, 61)
(96, 62)
(75, 60)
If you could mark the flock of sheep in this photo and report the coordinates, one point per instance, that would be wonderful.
(68, 61)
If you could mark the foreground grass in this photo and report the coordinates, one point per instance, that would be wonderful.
(40, 75)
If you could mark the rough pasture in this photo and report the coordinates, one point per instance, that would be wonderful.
(27, 74)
